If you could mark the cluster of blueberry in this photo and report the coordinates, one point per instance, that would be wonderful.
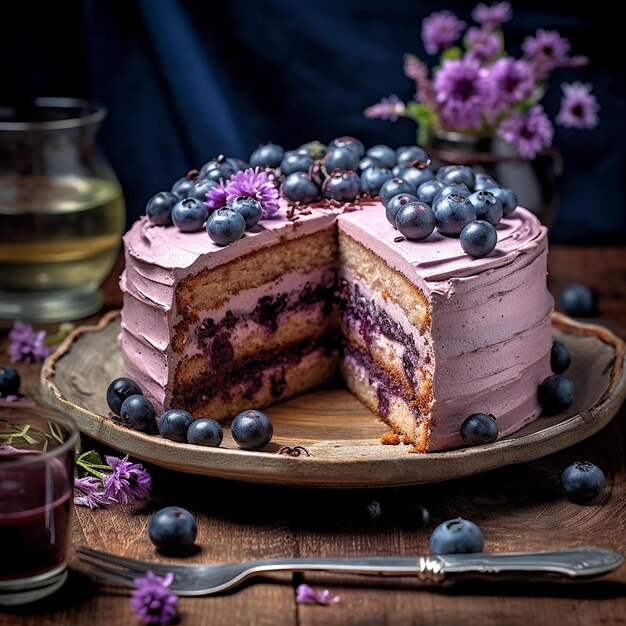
(250, 429)
(556, 394)
(454, 200)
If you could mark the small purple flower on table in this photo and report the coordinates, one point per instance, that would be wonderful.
(153, 601)
(493, 16)
(27, 344)
(91, 492)
(387, 109)
(579, 107)
(529, 133)
(129, 481)
(307, 595)
(440, 30)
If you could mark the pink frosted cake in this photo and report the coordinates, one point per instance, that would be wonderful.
(421, 332)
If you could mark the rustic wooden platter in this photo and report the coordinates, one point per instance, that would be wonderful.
(341, 435)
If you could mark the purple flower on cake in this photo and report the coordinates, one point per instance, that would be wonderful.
(460, 92)
(216, 197)
(481, 44)
(529, 133)
(476, 88)
(307, 595)
(129, 481)
(493, 16)
(387, 109)
(27, 344)
(440, 31)
(254, 183)
(153, 601)
(579, 107)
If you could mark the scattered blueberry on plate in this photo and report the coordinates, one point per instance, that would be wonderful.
(582, 482)
(138, 413)
(174, 423)
(456, 536)
(205, 432)
(252, 429)
(172, 529)
(479, 429)
(578, 300)
(556, 394)
(120, 389)
(559, 357)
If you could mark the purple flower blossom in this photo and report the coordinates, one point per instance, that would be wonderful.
(390, 108)
(129, 481)
(256, 184)
(492, 16)
(529, 133)
(92, 493)
(482, 45)
(153, 601)
(27, 344)
(440, 30)
(546, 51)
(509, 81)
(216, 197)
(307, 595)
(418, 71)
(460, 93)
(579, 107)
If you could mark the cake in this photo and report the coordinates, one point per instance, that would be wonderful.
(422, 333)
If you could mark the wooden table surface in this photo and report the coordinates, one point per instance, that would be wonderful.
(517, 507)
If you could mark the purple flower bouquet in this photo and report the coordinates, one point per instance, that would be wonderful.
(479, 90)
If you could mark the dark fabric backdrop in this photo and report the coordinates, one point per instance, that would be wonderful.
(185, 81)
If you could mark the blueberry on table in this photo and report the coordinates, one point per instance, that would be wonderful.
(120, 389)
(138, 413)
(559, 357)
(582, 482)
(159, 208)
(556, 394)
(395, 204)
(298, 187)
(479, 429)
(456, 536)
(225, 226)
(415, 220)
(252, 429)
(453, 212)
(174, 423)
(578, 300)
(189, 215)
(205, 432)
(250, 209)
(172, 529)
(9, 380)
(394, 187)
(269, 155)
(478, 238)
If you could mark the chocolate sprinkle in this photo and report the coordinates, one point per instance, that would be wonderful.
(294, 451)
(398, 239)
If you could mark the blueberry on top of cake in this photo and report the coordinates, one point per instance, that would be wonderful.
(431, 306)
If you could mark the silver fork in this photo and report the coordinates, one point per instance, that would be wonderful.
(198, 580)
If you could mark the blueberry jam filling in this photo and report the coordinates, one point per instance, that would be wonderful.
(249, 372)
(355, 307)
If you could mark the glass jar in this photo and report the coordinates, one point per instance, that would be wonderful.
(62, 212)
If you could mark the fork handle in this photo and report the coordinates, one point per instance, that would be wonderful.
(576, 563)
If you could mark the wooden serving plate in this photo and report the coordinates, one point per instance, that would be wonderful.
(341, 435)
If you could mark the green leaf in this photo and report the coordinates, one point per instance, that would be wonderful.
(451, 54)
(55, 432)
(90, 458)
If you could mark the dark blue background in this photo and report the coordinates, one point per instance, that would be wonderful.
(185, 81)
